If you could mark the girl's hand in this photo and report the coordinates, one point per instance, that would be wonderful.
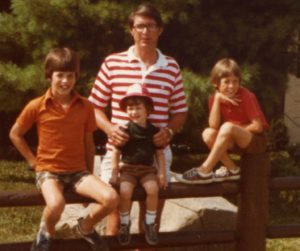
(235, 100)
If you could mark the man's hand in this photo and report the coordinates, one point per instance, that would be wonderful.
(114, 180)
(162, 138)
(162, 181)
(118, 136)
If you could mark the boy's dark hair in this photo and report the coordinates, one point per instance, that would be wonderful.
(223, 68)
(146, 10)
(136, 100)
(61, 59)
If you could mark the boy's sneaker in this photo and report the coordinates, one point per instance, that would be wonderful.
(193, 176)
(93, 239)
(151, 233)
(223, 174)
(124, 236)
(42, 242)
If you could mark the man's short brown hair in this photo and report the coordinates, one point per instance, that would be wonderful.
(146, 10)
(61, 59)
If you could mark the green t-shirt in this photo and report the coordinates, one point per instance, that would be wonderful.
(140, 149)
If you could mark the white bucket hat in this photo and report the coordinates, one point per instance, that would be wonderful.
(135, 90)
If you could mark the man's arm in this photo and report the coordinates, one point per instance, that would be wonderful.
(89, 151)
(162, 176)
(16, 135)
(164, 136)
(115, 159)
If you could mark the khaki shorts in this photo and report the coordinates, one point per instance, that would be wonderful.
(258, 144)
(137, 173)
(69, 181)
(105, 166)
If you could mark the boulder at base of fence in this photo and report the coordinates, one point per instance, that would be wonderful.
(188, 214)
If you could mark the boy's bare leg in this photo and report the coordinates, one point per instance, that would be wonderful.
(152, 203)
(142, 213)
(126, 191)
(152, 189)
(55, 203)
(105, 196)
(113, 223)
(228, 134)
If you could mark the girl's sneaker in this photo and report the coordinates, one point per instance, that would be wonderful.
(223, 174)
(194, 176)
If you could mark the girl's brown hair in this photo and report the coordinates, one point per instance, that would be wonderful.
(223, 68)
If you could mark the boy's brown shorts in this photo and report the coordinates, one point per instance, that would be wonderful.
(258, 144)
(137, 173)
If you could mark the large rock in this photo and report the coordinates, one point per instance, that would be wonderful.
(214, 213)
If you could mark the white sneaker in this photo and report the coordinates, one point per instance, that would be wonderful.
(223, 174)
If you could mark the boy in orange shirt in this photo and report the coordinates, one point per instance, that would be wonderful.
(65, 123)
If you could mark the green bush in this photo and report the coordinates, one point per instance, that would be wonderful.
(278, 135)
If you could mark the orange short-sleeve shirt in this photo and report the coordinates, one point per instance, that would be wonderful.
(61, 133)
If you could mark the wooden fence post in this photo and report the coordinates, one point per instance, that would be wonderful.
(254, 199)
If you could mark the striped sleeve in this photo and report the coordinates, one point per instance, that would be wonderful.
(178, 99)
(101, 91)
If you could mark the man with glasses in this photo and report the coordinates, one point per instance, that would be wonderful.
(141, 64)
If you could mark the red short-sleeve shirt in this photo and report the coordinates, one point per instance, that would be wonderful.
(247, 110)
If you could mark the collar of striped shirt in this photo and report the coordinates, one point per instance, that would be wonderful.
(161, 62)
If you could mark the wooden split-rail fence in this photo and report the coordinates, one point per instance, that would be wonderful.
(252, 228)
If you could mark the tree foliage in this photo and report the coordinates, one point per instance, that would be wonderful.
(257, 33)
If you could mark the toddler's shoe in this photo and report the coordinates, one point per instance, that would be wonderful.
(124, 236)
(151, 233)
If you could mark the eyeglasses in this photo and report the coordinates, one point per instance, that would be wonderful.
(149, 27)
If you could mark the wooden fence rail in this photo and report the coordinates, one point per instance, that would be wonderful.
(252, 193)
(173, 191)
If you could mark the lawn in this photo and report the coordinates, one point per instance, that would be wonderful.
(21, 223)
(18, 223)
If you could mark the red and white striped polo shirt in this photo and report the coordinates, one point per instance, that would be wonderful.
(162, 80)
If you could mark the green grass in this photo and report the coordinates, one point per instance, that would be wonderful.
(17, 223)
(291, 244)
(16, 176)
